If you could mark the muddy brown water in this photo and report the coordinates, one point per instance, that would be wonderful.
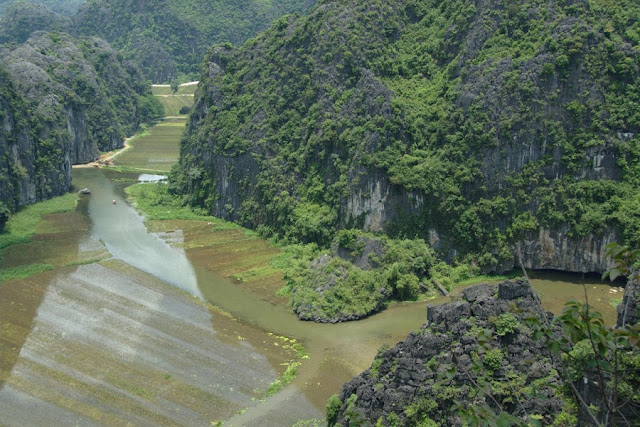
(118, 293)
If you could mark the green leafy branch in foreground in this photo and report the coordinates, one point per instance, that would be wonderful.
(625, 262)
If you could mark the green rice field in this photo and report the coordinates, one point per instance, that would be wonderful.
(166, 90)
(173, 102)
(156, 150)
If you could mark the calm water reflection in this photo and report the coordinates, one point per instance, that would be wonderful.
(123, 232)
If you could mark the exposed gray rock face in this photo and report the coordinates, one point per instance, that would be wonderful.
(25, 177)
(557, 250)
(411, 375)
(629, 308)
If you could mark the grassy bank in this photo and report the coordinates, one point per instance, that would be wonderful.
(220, 246)
(22, 225)
(45, 236)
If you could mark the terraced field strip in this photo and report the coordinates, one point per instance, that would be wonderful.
(232, 252)
(156, 151)
(173, 102)
(109, 347)
(183, 89)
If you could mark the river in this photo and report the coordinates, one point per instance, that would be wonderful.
(91, 329)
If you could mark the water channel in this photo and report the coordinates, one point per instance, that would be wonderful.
(337, 352)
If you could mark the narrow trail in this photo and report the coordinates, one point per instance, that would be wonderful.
(183, 84)
(108, 157)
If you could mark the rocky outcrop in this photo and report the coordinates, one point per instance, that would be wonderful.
(558, 250)
(481, 351)
(629, 308)
(409, 384)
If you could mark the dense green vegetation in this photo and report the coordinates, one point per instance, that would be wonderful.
(168, 38)
(484, 123)
(362, 273)
(62, 7)
(23, 18)
(155, 203)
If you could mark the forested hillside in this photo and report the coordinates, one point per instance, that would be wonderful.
(170, 37)
(21, 19)
(62, 7)
(61, 101)
(488, 129)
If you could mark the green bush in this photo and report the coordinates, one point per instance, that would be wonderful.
(506, 323)
(333, 408)
(493, 359)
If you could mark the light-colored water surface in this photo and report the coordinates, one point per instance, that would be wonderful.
(150, 177)
(122, 231)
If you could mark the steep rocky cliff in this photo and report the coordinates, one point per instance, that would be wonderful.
(481, 127)
(63, 100)
(34, 151)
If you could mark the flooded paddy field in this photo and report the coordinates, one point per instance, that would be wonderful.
(113, 345)
(157, 150)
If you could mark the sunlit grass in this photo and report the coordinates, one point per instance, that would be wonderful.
(22, 225)
(23, 271)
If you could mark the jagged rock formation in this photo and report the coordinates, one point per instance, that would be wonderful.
(407, 383)
(488, 337)
(481, 127)
(62, 101)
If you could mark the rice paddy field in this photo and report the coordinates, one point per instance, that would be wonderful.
(166, 90)
(173, 102)
(155, 150)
